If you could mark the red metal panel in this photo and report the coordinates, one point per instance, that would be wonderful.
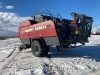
(51, 31)
(22, 33)
(26, 23)
(43, 29)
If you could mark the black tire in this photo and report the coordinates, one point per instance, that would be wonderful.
(37, 49)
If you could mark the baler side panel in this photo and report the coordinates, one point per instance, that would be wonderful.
(23, 34)
(44, 29)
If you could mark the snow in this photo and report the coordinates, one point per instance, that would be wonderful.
(7, 47)
(25, 72)
(82, 60)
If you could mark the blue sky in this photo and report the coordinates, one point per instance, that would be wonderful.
(64, 7)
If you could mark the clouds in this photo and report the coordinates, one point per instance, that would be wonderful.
(8, 7)
(9, 22)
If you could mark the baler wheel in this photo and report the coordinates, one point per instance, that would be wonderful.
(38, 50)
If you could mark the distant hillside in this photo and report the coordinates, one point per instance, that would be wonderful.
(5, 37)
(8, 33)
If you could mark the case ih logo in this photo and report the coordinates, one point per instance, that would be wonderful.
(36, 28)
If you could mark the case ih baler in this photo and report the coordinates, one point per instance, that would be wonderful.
(47, 30)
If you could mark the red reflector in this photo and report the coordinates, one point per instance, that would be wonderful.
(75, 21)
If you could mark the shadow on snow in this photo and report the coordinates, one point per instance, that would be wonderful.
(91, 52)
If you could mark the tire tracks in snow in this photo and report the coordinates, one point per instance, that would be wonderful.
(47, 64)
(51, 65)
(9, 59)
(59, 70)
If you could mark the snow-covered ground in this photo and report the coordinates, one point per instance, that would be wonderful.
(7, 47)
(82, 60)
